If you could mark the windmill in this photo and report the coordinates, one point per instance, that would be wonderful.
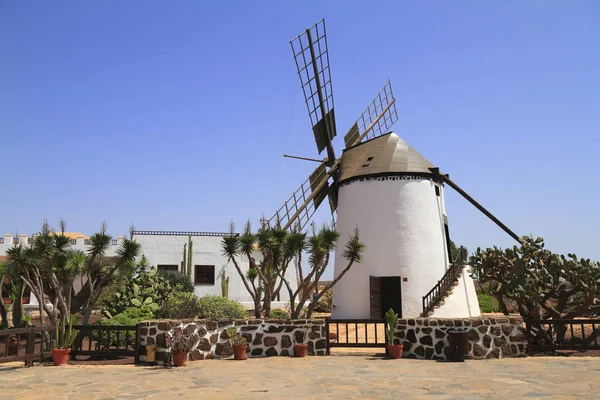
(387, 190)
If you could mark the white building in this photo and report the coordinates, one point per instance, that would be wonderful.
(164, 249)
(387, 191)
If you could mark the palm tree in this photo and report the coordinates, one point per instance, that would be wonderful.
(279, 249)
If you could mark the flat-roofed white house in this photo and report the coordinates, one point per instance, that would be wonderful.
(164, 249)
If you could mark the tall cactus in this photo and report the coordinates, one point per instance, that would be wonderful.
(224, 285)
(183, 264)
(189, 260)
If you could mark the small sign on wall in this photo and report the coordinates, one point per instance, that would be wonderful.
(404, 279)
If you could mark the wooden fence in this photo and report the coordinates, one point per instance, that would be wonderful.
(25, 344)
(545, 335)
(355, 333)
(106, 341)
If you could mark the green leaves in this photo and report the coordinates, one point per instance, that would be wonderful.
(354, 248)
(542, 283)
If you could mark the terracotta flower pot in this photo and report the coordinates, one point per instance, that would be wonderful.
(60, 356)
(395, 350)
(300, 349)
(239, 351)
(179, 358)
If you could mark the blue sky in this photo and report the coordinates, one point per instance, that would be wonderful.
(174, 115)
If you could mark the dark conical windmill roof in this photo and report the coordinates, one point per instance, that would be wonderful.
(384, 155)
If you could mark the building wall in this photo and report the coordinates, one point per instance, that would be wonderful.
(401, 223)
(162, 249)
(462, 302)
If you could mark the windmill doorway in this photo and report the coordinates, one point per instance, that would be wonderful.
(386, 293)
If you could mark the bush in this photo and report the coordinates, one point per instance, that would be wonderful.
(180, 281)
(488, 303)
(324, 304)
(279, 314)
(181, 305)
(217, 307)
(129, 317)
(144, 289)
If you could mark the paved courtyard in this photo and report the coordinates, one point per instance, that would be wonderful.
(344, 377)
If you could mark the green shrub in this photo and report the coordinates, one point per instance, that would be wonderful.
(180, 281)
(324, 304)
(217, 307)
(144, 289)
(129, 317)
(488, 303)
(279, 314)
(181, 305)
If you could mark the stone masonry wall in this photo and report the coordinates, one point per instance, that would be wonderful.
(489, 337)
(270, 337)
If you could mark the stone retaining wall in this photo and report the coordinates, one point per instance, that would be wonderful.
(488, 337)
(270, 337)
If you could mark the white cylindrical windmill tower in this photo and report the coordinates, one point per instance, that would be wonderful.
(388, 193)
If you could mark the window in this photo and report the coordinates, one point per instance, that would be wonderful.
(87, 242)
(115, 242)
(1, 240)
(73, 241)
(368, 162)
(204, 275)
(167, 267)
(437, 190)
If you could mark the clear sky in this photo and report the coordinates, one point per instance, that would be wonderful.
(174, 115)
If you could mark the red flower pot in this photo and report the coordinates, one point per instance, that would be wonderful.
(300, 350)
(395, 350)
(179, 358)
(60, 356)
(239, 352)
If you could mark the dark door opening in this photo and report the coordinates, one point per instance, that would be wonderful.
(386, 293)
(375, 288)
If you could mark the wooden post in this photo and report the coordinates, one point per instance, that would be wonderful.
(136, 358)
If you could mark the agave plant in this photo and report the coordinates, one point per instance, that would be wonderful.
(64, 334)
(235, 338)
(182, 339)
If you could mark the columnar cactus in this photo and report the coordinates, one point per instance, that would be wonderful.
(183, 262)
(224, 285)
(190, 253)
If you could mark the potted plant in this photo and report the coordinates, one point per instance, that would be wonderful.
(238, 343)
(181, 342)
(394, 348)
(300, 347)
(64, 335)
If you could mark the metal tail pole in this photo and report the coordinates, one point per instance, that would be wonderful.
(475, 203)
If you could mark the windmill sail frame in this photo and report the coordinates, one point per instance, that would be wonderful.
(311, 55)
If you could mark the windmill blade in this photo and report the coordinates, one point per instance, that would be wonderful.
(312, 62)
(376, 120)
(297, 211)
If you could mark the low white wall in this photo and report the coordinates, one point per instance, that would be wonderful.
(462, 302)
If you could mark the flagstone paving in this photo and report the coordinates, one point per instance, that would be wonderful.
(348, 377)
